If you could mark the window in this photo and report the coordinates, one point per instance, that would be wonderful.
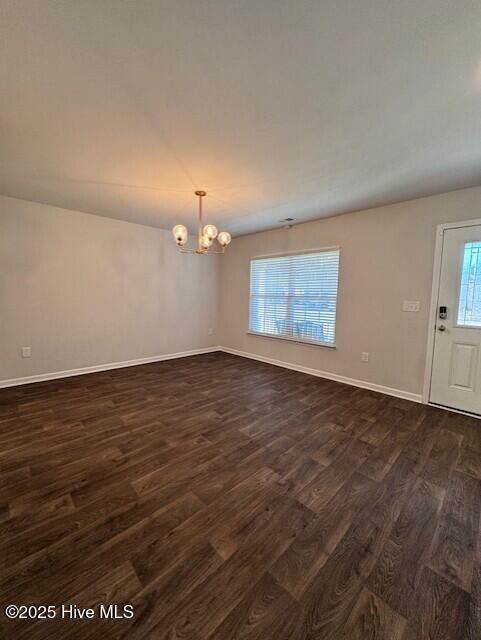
(469, 306)
(295, 296)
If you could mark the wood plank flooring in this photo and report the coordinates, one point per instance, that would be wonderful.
(225, 498)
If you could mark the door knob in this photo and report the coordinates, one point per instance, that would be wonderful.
(441, 327)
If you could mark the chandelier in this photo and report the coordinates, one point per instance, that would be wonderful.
(205, 235)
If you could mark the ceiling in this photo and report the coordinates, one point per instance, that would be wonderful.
(278, 108)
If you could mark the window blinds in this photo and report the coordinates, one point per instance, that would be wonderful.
(295, 296)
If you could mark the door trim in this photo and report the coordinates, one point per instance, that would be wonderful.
(433, 309)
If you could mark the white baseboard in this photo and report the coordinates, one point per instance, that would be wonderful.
(398, 393)
(363, 384)
(41, 377)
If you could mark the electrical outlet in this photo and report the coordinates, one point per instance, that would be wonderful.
(26, 352)
(411, 305)
(211, 331)
(364, 356)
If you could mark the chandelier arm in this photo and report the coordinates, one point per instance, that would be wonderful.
(216, 252)
(201, 252)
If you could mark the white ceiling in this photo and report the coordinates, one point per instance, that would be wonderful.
(276, 107)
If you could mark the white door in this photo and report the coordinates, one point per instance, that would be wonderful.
(456, 373)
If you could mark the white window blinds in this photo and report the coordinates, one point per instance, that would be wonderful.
(295, 296)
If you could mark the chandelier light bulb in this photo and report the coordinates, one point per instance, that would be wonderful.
(210, 231)
(180, 234)
(206, 242)
(224, 238)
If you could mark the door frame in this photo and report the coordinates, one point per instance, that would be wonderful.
(433, 309)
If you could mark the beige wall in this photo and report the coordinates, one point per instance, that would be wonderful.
(386, 257)
(83, 290)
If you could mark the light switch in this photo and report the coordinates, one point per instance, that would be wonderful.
(411, 305)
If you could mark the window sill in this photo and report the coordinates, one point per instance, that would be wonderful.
(329, 345)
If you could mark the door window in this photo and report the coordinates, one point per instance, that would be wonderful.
(469, 305)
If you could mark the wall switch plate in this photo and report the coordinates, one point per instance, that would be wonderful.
(364, 356)
(411, 305)
(26, 352)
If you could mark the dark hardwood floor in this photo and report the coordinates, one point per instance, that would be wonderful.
(225, 498)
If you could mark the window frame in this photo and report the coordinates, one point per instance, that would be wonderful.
(285, 254)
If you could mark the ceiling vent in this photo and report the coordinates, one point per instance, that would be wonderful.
(287, 222)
